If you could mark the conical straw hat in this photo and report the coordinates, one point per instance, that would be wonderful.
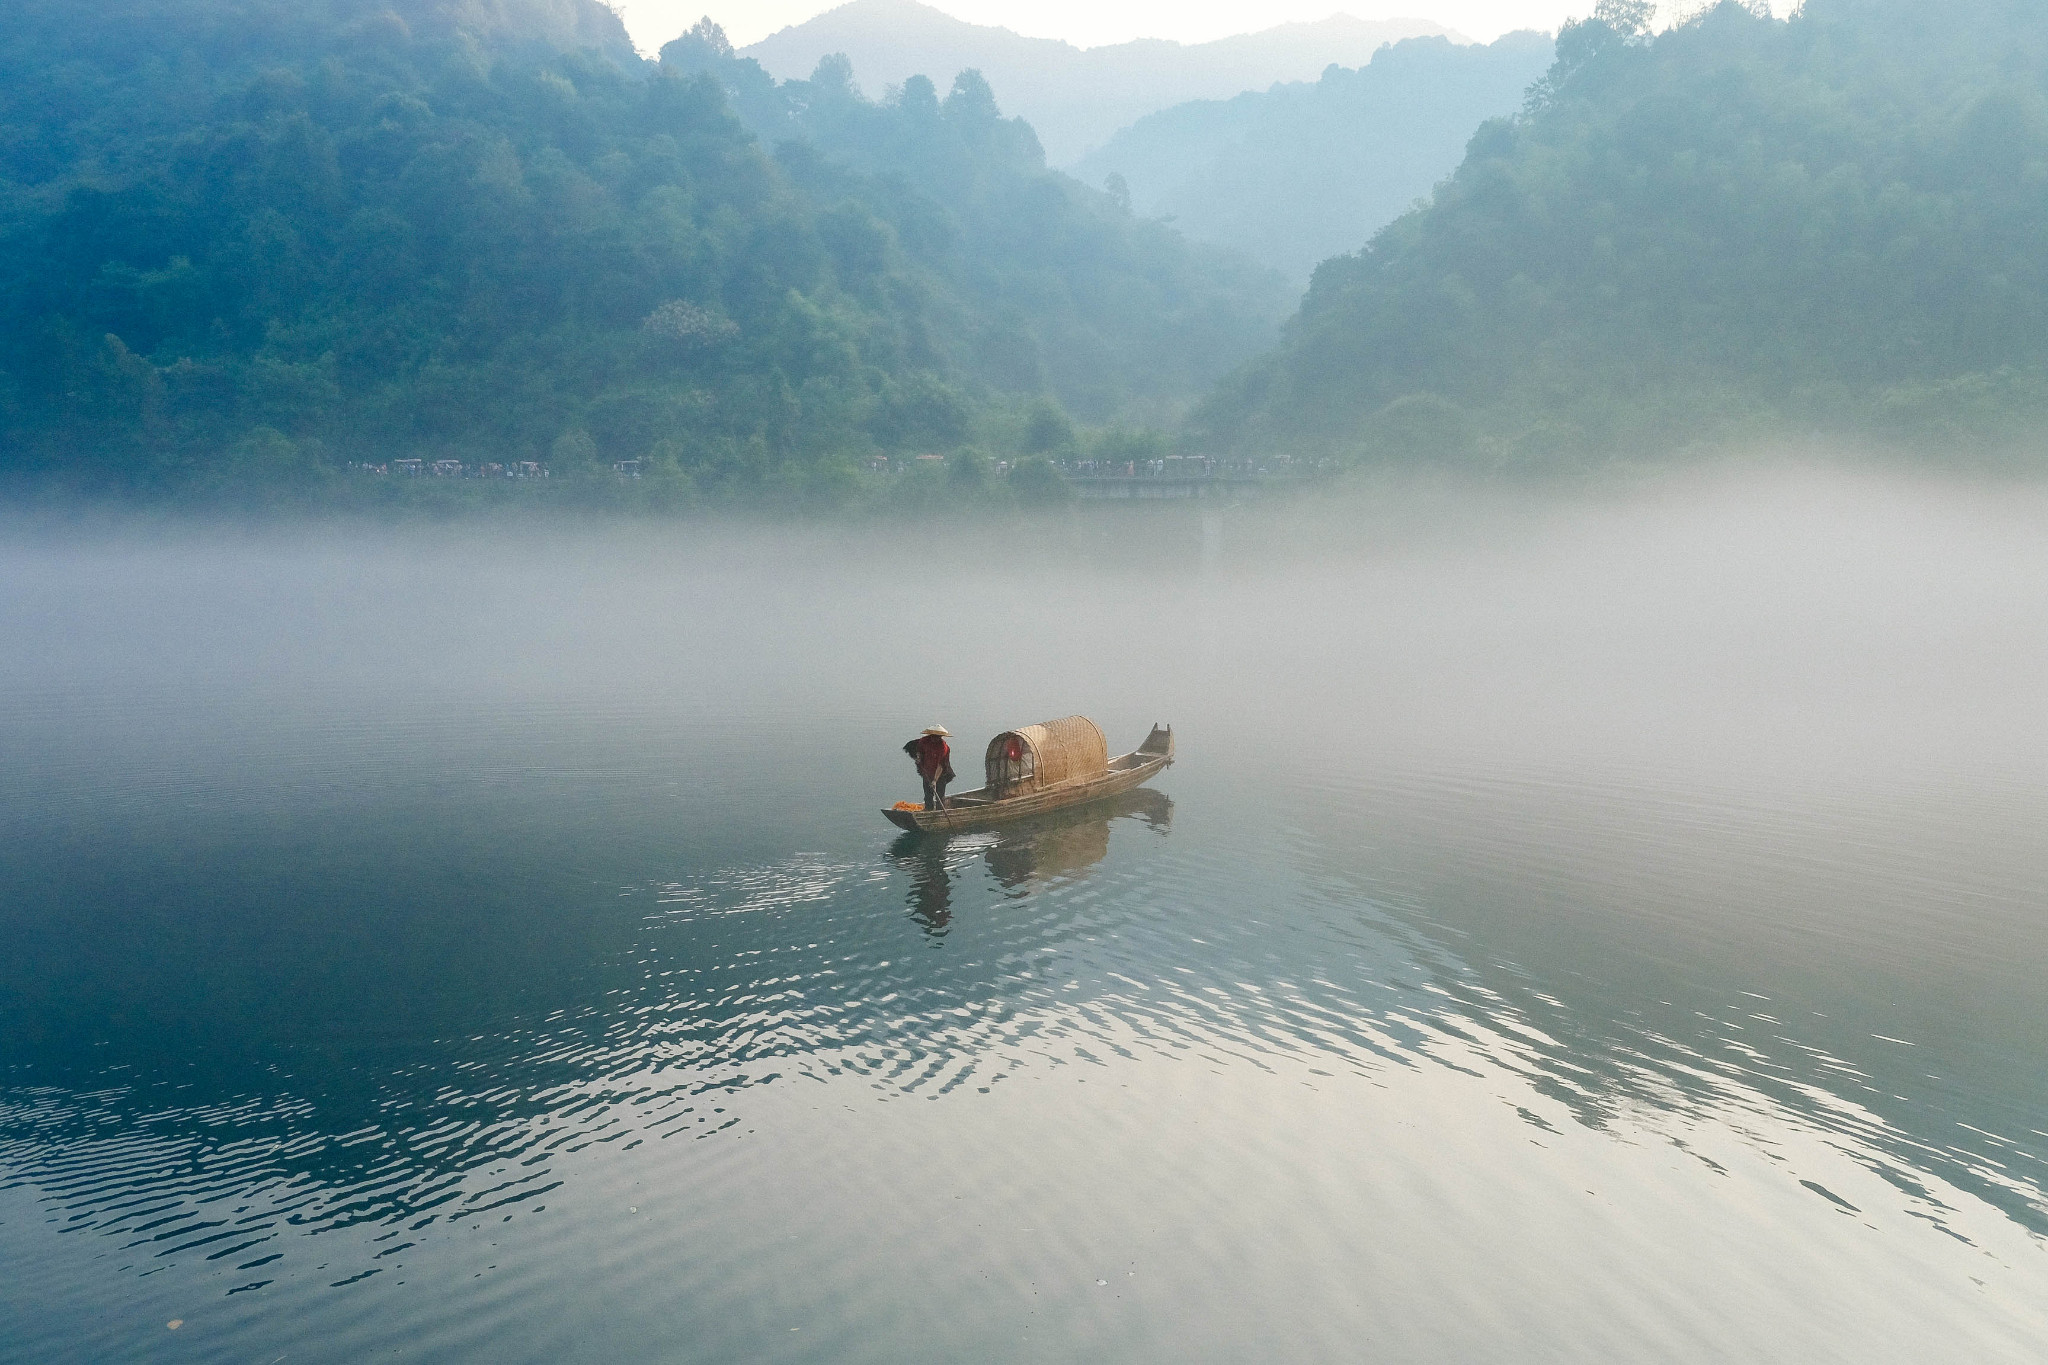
(938, 730)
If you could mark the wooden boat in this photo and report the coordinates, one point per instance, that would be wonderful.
(1041, 768)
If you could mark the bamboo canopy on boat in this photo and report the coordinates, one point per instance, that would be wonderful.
(1040, 768)
(1046, 754)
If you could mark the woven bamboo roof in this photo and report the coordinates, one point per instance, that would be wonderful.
(1067, 748)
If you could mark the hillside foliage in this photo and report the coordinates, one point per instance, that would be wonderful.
(252, 241)
(1743, 225)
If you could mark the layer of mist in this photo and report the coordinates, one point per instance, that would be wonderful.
(487, 936)
(1857, 617)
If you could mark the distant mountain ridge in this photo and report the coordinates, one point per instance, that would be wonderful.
(1074, 98)
(1302, 172)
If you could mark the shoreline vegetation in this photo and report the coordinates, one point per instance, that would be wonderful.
(1282, 497)
(963, 483)
(264, 254)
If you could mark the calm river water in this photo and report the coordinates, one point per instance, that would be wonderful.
(1597, 933)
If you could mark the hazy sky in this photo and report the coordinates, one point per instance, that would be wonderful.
(1089, 23)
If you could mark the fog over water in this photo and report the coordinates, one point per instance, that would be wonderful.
(1606, 926)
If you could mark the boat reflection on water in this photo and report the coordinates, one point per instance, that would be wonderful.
(1060, 846)
(1066, 847)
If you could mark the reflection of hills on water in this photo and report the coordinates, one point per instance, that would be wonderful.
(1061, 845)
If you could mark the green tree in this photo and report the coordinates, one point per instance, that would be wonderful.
(1048, 430)
(1036, 483)
(968, 472)
(573, 453)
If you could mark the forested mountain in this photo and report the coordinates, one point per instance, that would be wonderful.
(1074, 97)
(1742, 225)
(1305, 171)
(1048, 284)
(252, 240)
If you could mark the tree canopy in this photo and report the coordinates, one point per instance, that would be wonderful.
(1741, 225)
(259, 239)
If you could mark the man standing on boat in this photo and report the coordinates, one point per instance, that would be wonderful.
(934, 760)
